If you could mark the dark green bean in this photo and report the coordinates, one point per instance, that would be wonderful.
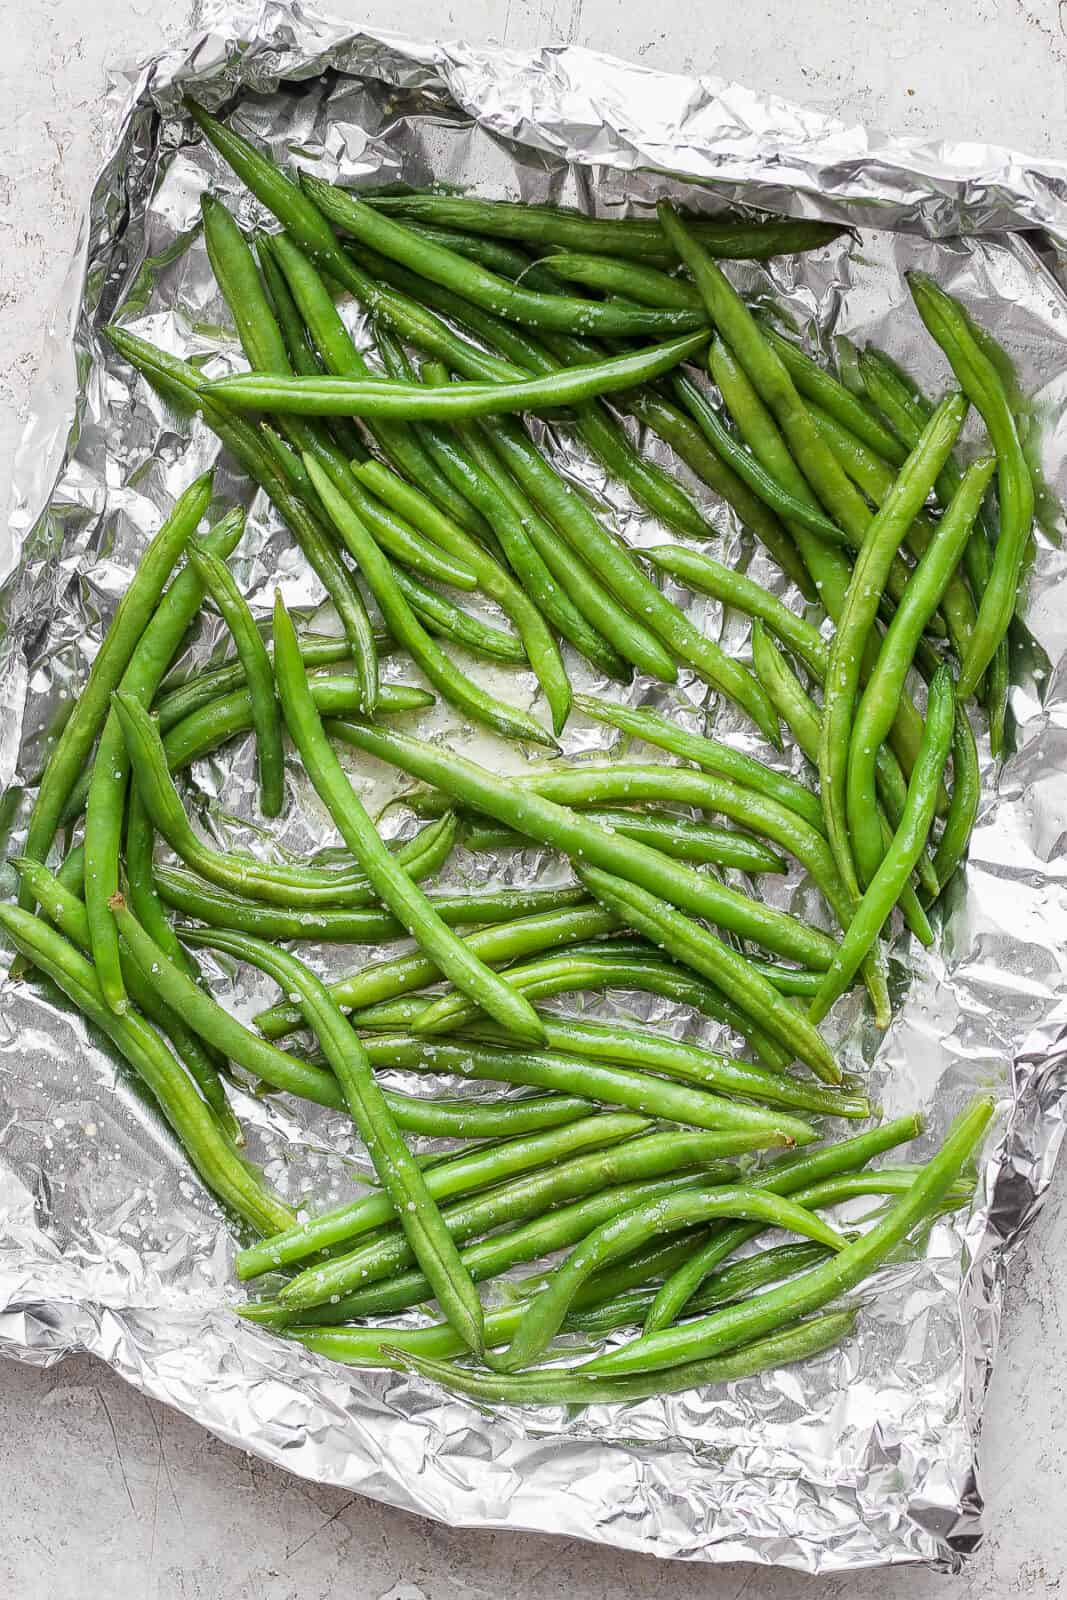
(542, 225)
(568, 313)
(963, 804)
(648, 285)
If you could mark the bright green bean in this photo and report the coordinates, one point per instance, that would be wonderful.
(90, 708)
(981, 382)
(458, 1175)
(546, 1313)
(880, 698)
(735, 1325)
(648, 285)
(814, 382)
(676, 836)
(696, 947)
(397, 891)
(859, 614)
(963, 803)
(903, 852)
(518, 806)
(191, 1119)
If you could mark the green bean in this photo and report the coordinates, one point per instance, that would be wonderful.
(393, 885)
(792, 1176)
(568, 313)
(90, 708)
(690, 444)
(461, 1174)
(546, 1313)
(758, 479)
(217, 580)
(283, 884)
(180, 380)
(733, 1282)
(695, 947)
(456, 687)
(708, 576)
(964, 802)
(815, 383)
(860, 611)
(542, 225)
(558, 501)
(648, 285)
(504, 259)
(908, 409)
(981, 382)
(106, 799)
(804, 720)
(539, 645)
(484, 1119)
(504, 941)
(188, 694)
(219, 720)
(353, 397)
(65, 910)
(591, 967)
(429, 1241)
(882, 694)
(735, 1325)
(462, 458)
(679, 837)
(623, 578)
(191, 1119)
(648, 1156)
(797, 1341)
(741, 331)
(671, 1099)
(485, 1259)
(194, 898)
(714, 757)
(520, 807)
(589, 783)
(908, 841)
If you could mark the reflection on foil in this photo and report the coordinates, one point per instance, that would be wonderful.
(106, 1244)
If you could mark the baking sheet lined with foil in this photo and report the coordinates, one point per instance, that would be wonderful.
(107, 1243)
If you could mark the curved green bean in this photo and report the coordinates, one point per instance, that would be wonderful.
(903, 852)
(963, 802)
(458, 1175)
(192, 1120)
(981, 382)
(545, 1314)
(517, 805)
(735, 1325)
(880, 698)
(90, 708)
(218, 581)
(397, 891)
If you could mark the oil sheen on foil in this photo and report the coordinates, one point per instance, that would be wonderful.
(107, 1244)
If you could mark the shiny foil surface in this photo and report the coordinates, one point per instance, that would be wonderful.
(107, 1243)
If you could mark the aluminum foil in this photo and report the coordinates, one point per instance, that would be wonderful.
(107, 1244)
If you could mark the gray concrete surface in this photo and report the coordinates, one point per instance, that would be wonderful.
(104, 1492)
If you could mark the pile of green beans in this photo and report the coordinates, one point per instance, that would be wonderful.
(648, 1157)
